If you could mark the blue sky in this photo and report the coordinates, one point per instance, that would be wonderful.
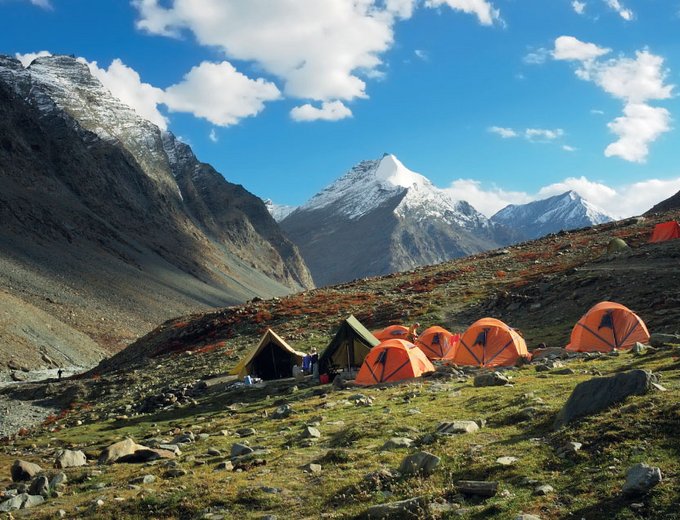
(500, 101)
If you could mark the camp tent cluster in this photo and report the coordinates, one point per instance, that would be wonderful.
(487, 343)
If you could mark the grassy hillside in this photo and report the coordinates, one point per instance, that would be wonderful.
(541, 287)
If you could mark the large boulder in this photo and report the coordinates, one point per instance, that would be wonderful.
(21, 501)
(39, 486)
(658, 339)
(131, 452)
(24, 471)
(640, 478)
(600, 393)
(70, 459)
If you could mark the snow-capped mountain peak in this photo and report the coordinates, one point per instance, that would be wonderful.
(565, 211)
(392, 173)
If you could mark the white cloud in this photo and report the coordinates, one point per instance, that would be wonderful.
(321, 50)
(640, 125)
(624, 13)
(125, 84)
(632, 80)
(505, 133)
(635, 82)
(537, 57)
(597, 111)
(485, 11)
(44, 4)
(573, 49)
(213, 135)
(543, 134)
(329, 111)
(619, 201)
(568, 148)
(27, 59)
(579, 7)
(219, 93)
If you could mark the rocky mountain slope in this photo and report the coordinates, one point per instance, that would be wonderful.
(380, 218)
(669, 204)
(109, 224)
(539, 218)
(320, 448)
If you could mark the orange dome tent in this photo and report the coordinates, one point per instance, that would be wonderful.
(607, 326)
(392, 332)
(490, 343)
(665, 231)
(437, 343)
(393, 360)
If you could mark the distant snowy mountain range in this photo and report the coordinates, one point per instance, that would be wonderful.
(381, 217)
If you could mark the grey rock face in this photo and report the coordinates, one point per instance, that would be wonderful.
(640, 478)
(600, 393)
(396, 443)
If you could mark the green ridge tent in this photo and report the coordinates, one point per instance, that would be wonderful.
(273, 358)
(349, 347)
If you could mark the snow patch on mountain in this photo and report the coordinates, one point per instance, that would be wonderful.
(278, 211)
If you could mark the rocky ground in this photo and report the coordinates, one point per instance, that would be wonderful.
(299, 450)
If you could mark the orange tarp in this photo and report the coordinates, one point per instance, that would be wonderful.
(393, 360)
(437, 343)
(665, 231)
(392, 332)
(607, 326)
(490, 343)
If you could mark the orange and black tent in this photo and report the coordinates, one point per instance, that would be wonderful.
(607, 326)
(392, 332)
(490, 343)
(393, 360)
(437, 343)
(665, 231)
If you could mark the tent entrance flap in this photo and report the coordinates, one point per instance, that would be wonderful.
(273, 363)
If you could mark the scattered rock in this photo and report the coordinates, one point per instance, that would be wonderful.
(661, 340)
(491, 379)
(57, 480)
(21, 501)
(640, 478)
(639, 348)
(70, 459)
(412, 508)
(245, 432)
(570, 448)
(506, 461)
(456, 427)
(566, 371)
(144, 479)
(309, 432)
(543, 490)
(24, 471)
(599, 393)
(130, 452)
(184, 438)
(282, 412)
(477, 487)
(420, 463)
(39, 486)
(175, 473)
(237, 450)
(225, 466)
(214, 452)
(312, 468)
(396, 443)
(527, 517)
